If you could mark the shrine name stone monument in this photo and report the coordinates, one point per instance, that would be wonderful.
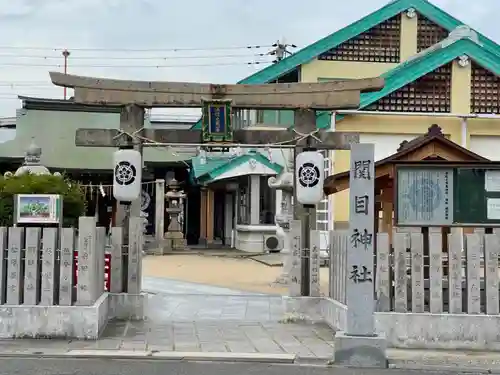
(359, 345)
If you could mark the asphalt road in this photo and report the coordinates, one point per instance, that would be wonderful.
(37, 366)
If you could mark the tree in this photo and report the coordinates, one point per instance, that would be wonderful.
(74, 202)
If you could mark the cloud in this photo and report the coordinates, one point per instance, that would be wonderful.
(152, 24)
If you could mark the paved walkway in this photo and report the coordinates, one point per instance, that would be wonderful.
(304, 340)
(170, 286)
(255, 308)
(189, 319)
(217, 320)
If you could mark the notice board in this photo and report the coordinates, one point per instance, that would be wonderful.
(447, 195)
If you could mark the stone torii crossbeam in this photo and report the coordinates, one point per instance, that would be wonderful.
(304, 98)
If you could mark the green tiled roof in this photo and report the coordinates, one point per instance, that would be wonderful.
(423, 64)
(305, 55)
(215, 166)
(211, 163)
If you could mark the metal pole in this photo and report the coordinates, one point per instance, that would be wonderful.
(66, 54)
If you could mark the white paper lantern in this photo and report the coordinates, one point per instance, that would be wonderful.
(127, 175)
(309, 169)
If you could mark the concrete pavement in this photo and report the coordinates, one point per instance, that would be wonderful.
(311, 342)
(189, 321)
(170, 286)
(112, 348)
(36, 366)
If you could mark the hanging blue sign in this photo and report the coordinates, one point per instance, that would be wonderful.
(216, 121)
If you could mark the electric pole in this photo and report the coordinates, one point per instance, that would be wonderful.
(65, 54)
(280, 50)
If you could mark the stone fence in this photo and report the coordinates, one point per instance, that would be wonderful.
(426, 297)
(53, 282)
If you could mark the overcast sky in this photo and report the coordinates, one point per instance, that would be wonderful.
(97, 25)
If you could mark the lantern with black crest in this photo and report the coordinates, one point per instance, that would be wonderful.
(310, 176)
(127, 175)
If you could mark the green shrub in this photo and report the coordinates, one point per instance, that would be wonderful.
(74, 202)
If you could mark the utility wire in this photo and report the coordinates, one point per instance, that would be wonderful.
(133, 66)
(58, 49)
(175, 57)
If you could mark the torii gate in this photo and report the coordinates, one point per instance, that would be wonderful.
(135, 96)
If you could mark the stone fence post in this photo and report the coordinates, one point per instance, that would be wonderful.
(135, 247)
(159, 211)
(87, 262)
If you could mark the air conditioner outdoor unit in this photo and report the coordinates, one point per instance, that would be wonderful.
(272, 243)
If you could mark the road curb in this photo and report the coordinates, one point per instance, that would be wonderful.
(455, 367)
(227, 357)
(156, 355)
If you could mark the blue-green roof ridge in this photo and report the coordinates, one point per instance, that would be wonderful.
(424, 63)
(214, 166)
(306, 54)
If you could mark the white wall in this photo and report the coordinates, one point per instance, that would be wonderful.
(486, 146)
(385, 144)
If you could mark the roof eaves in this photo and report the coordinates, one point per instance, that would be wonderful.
(447, 21)
(233, 163)
(229, 165)
(310, 52)
(461, 41)
(430, 59)
(413, 145)
(423, 7)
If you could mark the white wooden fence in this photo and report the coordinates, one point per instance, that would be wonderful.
(464, 278)
(37, 266)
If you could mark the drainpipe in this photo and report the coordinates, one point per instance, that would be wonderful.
(331, 198)
(464, 132)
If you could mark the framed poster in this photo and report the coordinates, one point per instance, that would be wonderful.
(424, 196)
(38, 209)
(463, 194)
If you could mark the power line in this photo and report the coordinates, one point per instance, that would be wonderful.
(58, 49)
(134, 66)
(24, 83)
(45, 57)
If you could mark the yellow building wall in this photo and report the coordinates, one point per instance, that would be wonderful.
(397, 125)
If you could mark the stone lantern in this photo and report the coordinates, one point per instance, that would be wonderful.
(174, 238)
(284, 183)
